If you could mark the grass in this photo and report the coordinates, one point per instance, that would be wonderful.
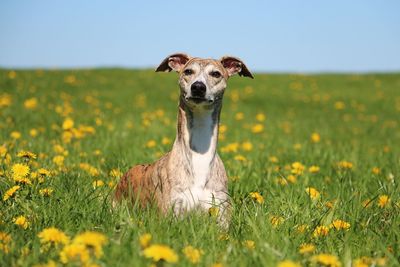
(124, 117)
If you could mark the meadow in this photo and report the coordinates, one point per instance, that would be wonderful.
(313, 165)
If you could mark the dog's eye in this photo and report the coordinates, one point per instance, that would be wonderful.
(188, 72)
(215, 74)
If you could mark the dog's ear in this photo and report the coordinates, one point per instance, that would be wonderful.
(174, 62)
(234, 65)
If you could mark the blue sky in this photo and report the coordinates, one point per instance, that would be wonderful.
(273, 36)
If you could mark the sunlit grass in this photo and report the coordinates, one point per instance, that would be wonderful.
(313, 163)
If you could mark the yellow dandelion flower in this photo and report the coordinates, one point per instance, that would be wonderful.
(249, 244)
(59, 160)
(5, 100)
(73, 252)
(89, 169)
(98, 183)
(116, 173)
(345, 165)
(68, 124)
(145, 240)
(5, 240)
(11, 192)
(297, 168)
(273, 159)
(257, 197)
(239, 116)
(151, 144)
(165, 141)
(26, 154)
(276, 220)
(288, 263)
(376, 170)
(92, 240)
(33, 132)
(240, 158)
(320, 231)
(247, 146)
(22, 180)
(314, 169)
(3, 151)
(46, 192)
(15, 135)
(326, 260)
(383, 201)
(50, 263)
(54, 236)
(232, 147)
(31, 103)
(192, 254)
(213, 211)
(312, 193)
(43, 172)
(159, 252)
(340, 225)
(315, 138)
(257, 128)
(339, 105)
(301, 228)
(20, 170)
(21, 221)
(260, 117)
(306, 248)
(291, 178)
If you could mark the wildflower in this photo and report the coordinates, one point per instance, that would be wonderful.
(232, 147)
(22, 180)
(116, 173)
(297, 168)
(339, 225)
(159, 252)
(239, 116)
(54, 236)
(98, 183)
(5, 240)
(12, 74)
(20, 170)
(68, 124)
(27, 155)
(345, 165)
(257, 128)
(339, 105)
(301, 228)
(306, 248)
(288, 263)
(31, 103)
(3, 151)
(5, 100)
(213, 211)
(50, 263)
(313, 169)
(33, 132)
(320, 231)
(249, 244)
(46, 192)
(291, 178)
(273, 159)
(92, 240)
(315, 137)
(21, 221)
(151, 144)
(260, 117)
(276, 221)
(376, 170)
(59, 160)
(247, 146)
(192, 254)
(43, 172)
(89, 169)
(144, 240)
(73, 252)
(15, 135)
(383, 201)
(326, 260)
(240, 158)
(10, 192)
(165, 141)
(312, 193)
(257, 197)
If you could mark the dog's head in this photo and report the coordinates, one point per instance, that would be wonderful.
(203, 81)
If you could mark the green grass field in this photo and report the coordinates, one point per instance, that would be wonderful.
(313, 162)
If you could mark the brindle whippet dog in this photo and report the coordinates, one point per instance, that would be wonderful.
(191, 175)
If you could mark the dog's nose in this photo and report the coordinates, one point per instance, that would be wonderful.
(198, 89)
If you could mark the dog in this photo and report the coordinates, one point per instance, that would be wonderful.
(192, 175)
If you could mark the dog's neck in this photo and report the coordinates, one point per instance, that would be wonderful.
(197, 138)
